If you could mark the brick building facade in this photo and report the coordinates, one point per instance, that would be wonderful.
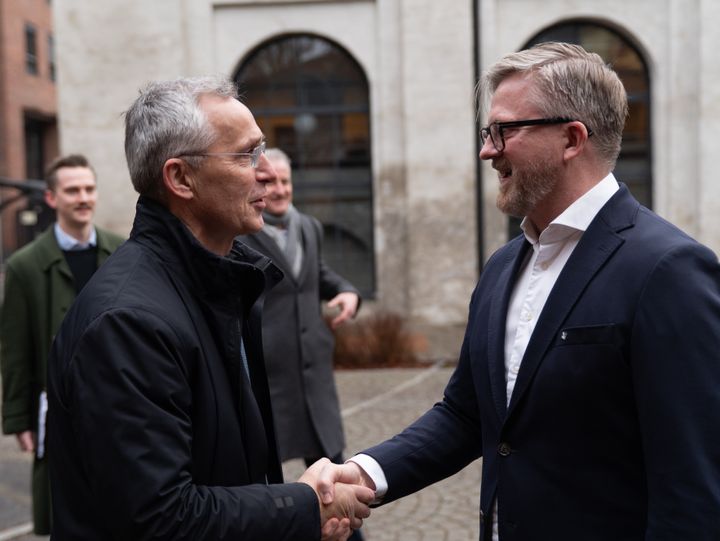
(28, 110)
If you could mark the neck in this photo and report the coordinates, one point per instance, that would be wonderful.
(206, 236)
(564, 195)
(79, 232)
(210, 240)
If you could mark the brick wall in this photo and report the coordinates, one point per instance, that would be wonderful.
(23, 95)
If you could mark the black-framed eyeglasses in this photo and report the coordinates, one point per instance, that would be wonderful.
(496, 130)
(251, 158)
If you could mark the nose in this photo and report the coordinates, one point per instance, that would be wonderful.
(488, 150)
(265, 172)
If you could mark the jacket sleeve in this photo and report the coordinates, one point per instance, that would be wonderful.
(330, 282)
(129, 388)
(441, 442)
(675, 355)
(16, 351)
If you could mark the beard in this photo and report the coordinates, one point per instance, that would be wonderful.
(529, 184)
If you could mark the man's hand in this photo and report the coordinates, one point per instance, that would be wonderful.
(349, 473)
(346, 508)
(26, 441)
(348, 303)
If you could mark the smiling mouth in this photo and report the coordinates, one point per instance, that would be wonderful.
(504, 171)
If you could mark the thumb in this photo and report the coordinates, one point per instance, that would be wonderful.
(326, 483)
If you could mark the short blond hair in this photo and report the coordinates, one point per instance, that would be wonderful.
(572, 83)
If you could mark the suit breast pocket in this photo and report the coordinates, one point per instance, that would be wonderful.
(609, 333)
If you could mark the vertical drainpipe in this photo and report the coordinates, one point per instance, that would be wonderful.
(478, 164)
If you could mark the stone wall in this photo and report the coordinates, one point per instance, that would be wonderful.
(419, 59)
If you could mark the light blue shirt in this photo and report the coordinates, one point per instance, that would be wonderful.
(68, 242)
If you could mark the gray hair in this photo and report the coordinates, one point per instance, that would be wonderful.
(277, 155)
(569, 82)
(165, 122)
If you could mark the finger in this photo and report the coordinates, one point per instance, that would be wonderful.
(364, 494)
(311, 477)
(356, 523)
(330, 529)
(327, 478)
(343, 531)
(337, 321)
(361, 510)
(25, 441)
(319, 464)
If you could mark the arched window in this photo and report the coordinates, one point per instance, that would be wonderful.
(634, 166)
(310, 98)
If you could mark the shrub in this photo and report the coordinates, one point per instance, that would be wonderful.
(377, 340)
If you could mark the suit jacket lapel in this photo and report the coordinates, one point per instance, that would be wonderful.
(51, 255)
(597, 244)
(309, 247)
(273, 251)
(496, 326)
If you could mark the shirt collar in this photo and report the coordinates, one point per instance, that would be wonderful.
(578, 215)
(67, 242)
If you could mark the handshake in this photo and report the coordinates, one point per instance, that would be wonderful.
(344, 492)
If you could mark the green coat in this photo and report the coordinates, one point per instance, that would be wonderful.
(39, 290)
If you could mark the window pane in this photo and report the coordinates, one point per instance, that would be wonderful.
(310, 98)
(34, 146)
(30, 50)
(51, 58)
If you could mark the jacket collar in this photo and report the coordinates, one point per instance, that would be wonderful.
(243, 272)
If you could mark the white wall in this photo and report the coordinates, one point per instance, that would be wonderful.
(418, 57)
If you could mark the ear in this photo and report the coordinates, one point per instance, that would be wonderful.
(177, 179)
(577, 136)
(50, 199)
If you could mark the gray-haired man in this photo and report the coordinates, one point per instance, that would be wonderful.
(157, 386)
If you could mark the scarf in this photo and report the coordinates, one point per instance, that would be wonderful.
(285, 231)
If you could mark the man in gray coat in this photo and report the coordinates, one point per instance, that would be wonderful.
(297, 343)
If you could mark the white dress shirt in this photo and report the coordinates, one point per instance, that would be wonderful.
(551, 249)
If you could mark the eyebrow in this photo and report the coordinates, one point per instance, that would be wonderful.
(253, 143)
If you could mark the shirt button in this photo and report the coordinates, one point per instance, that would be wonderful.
(504, 449)
(527, 316)
(544, 265)
(514, 368)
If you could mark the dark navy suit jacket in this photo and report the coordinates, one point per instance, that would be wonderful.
(613, 429)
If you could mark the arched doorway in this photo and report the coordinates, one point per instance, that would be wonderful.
(310, 98)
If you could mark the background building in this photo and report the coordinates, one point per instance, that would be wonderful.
(373, 100)
(28, 111)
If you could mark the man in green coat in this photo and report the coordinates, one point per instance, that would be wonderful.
(41, 282)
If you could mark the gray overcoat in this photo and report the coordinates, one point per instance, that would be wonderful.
(298, 347)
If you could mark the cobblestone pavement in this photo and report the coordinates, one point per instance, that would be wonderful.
(376, 404)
